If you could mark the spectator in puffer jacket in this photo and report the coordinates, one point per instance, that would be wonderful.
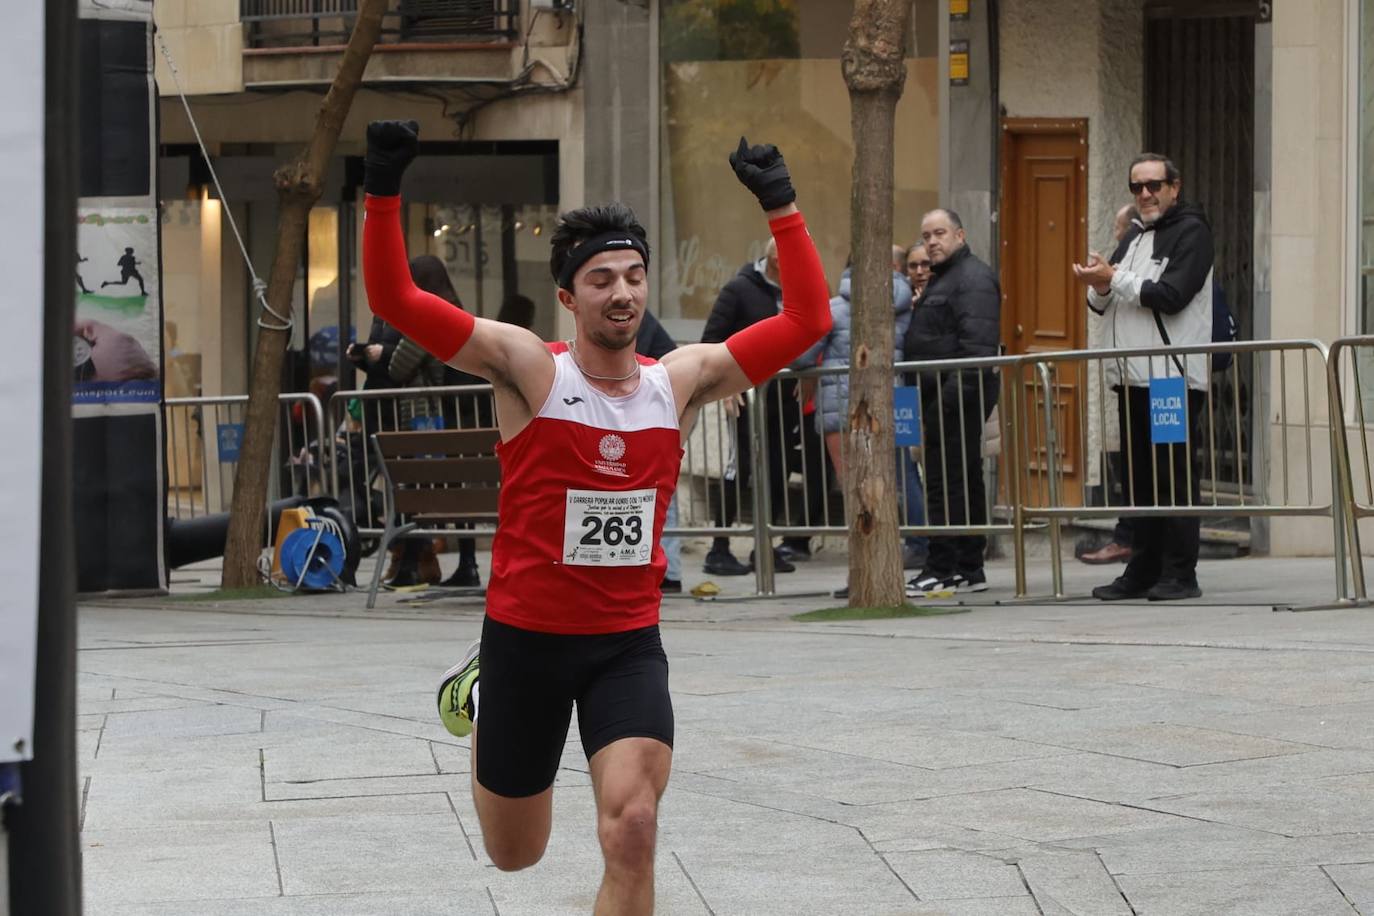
(832, 401)
(958, 316)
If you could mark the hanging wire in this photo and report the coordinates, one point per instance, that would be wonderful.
(259, 285)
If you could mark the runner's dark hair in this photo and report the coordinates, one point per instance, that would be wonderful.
(576, 226)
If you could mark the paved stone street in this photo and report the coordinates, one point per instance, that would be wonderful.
(282, 757)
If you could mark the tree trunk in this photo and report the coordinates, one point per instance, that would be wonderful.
(874, 69)
(298, 187)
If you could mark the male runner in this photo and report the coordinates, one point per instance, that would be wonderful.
(591, 445)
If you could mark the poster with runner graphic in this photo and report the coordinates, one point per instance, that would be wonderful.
(117, 337)
(118, 442)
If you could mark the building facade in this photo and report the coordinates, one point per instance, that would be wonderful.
(535, 106)
(526, 108)
(1266, 108)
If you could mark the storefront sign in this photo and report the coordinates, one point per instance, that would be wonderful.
(1168, 411)
(906, 409)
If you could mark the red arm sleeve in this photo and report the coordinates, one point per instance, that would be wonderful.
(439, 326)
(767, 347)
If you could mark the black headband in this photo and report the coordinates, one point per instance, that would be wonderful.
(619, 240)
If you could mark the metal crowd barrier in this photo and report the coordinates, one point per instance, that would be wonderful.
(1284, 486)
(714, 493)
(959, 431)
(203, 436)
(733, 481)
(1040, 478)
(1353, 375)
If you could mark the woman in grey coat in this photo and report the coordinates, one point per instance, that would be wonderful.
(832, 399)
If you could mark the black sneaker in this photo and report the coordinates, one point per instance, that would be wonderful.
(408, 577)
(925, 584)
(1173, 590)
(465, 576)
(1120, 589)
(780, 561)
(673, 586)
(974, 581)
(724, 564)
(841, 593)
(797, 550)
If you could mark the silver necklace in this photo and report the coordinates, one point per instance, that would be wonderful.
(572, 350)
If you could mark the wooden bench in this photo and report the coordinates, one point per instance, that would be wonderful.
(435, 477)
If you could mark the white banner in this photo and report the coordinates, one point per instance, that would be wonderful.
(21, 373)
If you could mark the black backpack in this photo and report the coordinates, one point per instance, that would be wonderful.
(1224, 330)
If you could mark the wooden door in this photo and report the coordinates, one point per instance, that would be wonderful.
(1043, 216)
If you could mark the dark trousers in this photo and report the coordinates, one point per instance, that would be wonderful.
(793, 444)
(1159, 475)
(1124, 532)
(955, 492)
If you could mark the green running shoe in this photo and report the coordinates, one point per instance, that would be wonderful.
(457, 705)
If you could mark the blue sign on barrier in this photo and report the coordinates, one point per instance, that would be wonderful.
(1168, 411)
(906, 408)
(230, 438)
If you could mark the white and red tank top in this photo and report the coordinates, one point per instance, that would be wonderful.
(584, 494)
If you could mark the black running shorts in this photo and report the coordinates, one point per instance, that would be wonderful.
(529, 683)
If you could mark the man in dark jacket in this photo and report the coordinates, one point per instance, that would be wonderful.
(749, 297)
(959, 316)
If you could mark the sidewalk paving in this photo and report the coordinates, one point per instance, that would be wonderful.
(282, 756)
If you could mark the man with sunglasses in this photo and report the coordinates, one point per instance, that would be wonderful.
(1156, 291)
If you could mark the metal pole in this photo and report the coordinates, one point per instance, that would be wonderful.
(1052, 478)
(756, 404)
(1016, 460)
(1343, 515)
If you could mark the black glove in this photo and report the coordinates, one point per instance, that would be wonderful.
(390, 147)
(762, 171)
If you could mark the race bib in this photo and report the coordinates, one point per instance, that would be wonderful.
(609, 528)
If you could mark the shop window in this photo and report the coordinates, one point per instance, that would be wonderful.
(322, 292)
(770, 69)
(493, 253)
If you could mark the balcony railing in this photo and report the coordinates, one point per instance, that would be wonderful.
(322, 23)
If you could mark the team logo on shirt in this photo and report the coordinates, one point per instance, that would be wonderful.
(612, 449)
